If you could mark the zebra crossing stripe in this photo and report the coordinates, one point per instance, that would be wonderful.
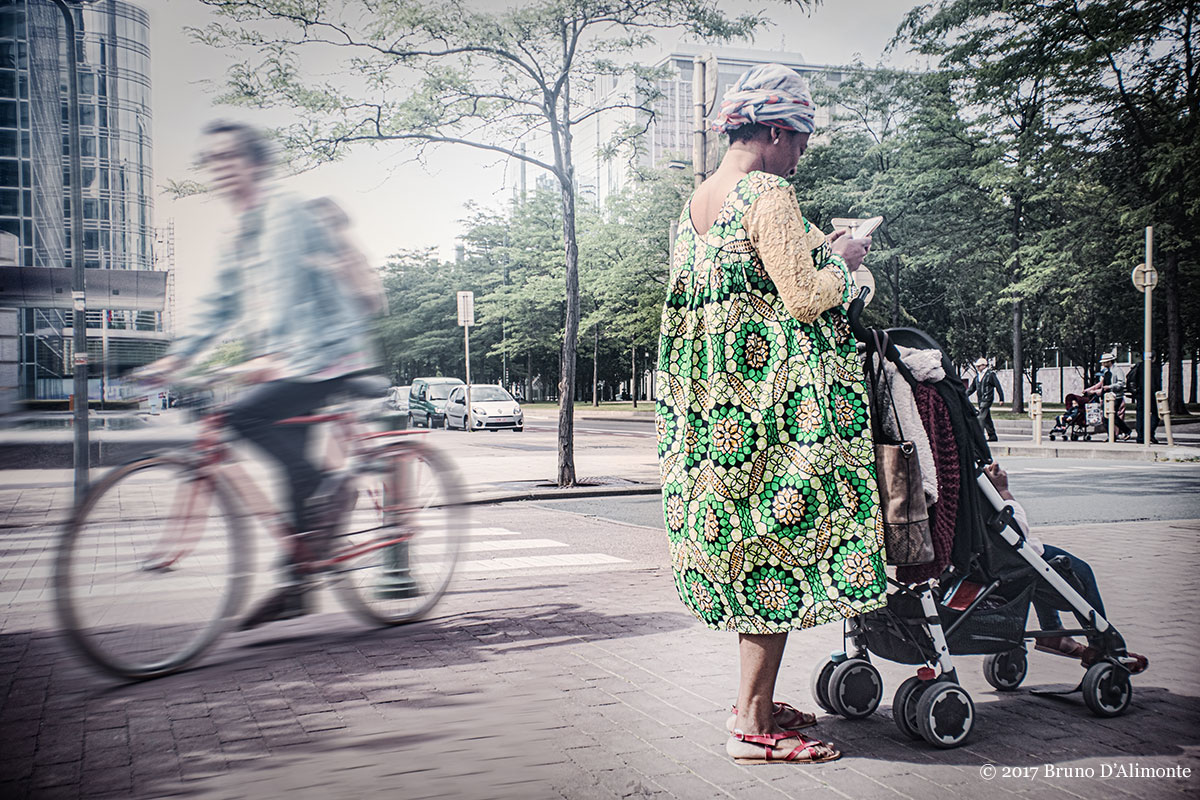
(540, 562)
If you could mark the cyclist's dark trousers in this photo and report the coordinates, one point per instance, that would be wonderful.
(254, 417)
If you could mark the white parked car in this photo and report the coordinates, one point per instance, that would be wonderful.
(492, 408)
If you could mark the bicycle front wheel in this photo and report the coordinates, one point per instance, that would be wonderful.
(151, 569)
(403, 536)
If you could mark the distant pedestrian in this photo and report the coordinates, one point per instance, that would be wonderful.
(985, 386)
(1133, 384)
(767, 463)
(1108, 382)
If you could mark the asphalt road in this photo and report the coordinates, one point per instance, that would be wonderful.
(1053, 491)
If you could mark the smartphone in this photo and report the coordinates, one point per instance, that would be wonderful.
(863, 229)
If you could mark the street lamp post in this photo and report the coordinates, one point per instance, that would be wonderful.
(78, 276)
(1145, 278)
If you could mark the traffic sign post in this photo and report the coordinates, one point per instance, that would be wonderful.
(1145, 278)
(466, 318)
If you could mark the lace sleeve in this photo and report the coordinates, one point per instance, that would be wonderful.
(786, 245)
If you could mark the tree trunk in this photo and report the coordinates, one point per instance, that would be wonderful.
(1018, 365)
(595, 366)
(528, 377)
(1018, 389)
(566, 381)
(1174, 385)
(895, 292)
(633, 373)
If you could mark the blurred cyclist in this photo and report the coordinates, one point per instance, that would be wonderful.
(302, 334)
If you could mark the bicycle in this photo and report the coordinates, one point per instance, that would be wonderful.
(155, 562)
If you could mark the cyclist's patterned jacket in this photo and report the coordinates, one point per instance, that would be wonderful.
(277, 294)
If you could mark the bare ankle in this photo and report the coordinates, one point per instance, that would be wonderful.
(756, 717)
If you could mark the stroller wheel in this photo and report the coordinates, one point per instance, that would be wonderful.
(945, 715)
(820, 684)
(904, 706)
(1005, 671)
(1052, 437)
(855, 688)
(1106, 689)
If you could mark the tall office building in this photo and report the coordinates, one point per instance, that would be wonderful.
(668, 136)
(125, 294)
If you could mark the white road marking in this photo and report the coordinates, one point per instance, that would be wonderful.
(540, 562)
(510, 544)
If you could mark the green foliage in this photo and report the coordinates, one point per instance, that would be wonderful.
(1092, 109)
(512, 260)
(446, 72)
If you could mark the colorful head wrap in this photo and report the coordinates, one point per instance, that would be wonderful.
(770, 94)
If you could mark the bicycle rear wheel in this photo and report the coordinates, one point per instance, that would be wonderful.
(151, 569)
(412, 498)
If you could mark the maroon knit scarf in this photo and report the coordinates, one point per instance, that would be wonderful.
(944, 513)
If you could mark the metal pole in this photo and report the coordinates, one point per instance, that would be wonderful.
(467, 358)
(1147, 395)
(699, 142)
(78, 276)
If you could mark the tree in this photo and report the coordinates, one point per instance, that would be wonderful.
(523, 249)
(486, 80)
(627, 252)
(1113, 83)
(1003, 62)
(899, 147)
(424, 339)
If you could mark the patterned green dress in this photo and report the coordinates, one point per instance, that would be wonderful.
(764, 441)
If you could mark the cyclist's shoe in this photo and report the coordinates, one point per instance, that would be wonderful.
(287, 602)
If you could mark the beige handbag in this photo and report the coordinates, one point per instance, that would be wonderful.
(906, 535)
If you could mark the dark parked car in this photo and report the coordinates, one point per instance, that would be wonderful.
(427, 401)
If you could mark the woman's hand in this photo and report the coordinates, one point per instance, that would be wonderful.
(852, 250)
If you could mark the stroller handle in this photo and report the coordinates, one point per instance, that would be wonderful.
(867, 335)
(854, 314)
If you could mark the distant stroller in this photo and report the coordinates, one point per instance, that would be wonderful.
(977, 606)
(1083, 417)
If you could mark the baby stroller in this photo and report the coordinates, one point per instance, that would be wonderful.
(978, 604)
(1083, 417)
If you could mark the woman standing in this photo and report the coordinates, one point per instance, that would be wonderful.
(764, 442)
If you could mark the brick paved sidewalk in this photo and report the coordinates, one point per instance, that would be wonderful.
(566, 683)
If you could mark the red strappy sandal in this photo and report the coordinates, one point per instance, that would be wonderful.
(786, 716)
(770, 754)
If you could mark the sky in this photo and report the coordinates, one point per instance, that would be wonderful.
(397, 204)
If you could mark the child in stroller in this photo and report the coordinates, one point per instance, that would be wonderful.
(1083, 417)
(974, 598)
(1077, 572)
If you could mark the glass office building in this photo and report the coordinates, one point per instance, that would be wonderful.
(124, 316)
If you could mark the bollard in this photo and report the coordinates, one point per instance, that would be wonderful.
(1035, 413)
(1164, 411)
(396, 581)
(1110, 411)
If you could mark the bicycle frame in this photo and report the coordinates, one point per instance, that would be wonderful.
(213, 462)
